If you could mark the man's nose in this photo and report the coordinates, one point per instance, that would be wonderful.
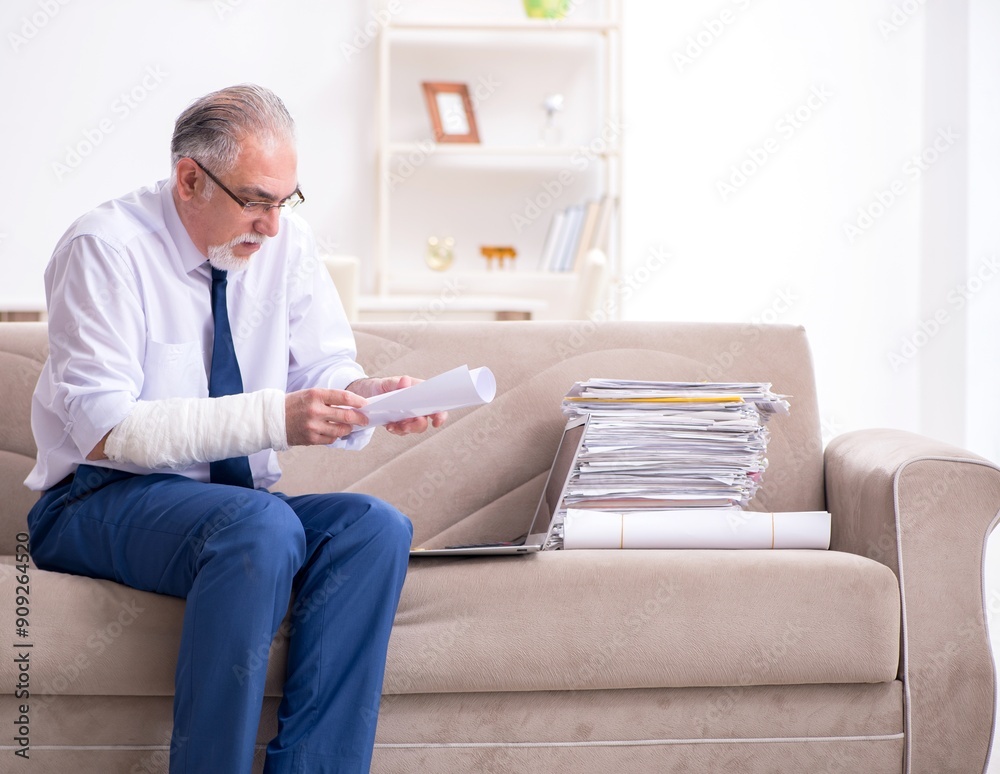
(268, 223)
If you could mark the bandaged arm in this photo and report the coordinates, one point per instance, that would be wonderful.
(177, 432)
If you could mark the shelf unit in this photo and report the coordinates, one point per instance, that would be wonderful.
(484, 176)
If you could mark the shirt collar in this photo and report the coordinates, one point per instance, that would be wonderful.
(191, 257)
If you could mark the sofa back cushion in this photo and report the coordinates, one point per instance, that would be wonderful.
(23, 348)
(477, 477)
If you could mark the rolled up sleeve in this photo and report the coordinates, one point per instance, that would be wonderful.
(96, 339)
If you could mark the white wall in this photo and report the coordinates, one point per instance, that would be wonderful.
(775, 246)
(982, 287)
(836, 222)
(64, 81)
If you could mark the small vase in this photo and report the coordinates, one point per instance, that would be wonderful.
(546, 9)
(440, 253)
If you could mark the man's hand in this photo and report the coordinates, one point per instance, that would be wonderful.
(319, 416)
(369, 388)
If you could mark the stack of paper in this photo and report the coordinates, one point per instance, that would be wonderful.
(668, 445)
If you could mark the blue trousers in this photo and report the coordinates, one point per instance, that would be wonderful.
(239, 556)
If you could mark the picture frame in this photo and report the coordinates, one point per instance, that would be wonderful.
(451, 113)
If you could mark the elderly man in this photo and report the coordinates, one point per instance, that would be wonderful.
(193, 334)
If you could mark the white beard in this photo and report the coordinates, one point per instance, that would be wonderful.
(223, 258)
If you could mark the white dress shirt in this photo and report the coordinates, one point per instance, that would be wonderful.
(130, 318)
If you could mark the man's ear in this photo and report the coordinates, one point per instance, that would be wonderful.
(189, 182)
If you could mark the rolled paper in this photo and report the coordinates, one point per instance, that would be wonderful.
(455, 389)
(696, 528)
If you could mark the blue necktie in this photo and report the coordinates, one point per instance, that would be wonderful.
(224, 379)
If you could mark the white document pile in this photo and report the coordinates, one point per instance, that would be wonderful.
(655, 446)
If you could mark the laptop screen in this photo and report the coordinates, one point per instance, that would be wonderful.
(555, 484)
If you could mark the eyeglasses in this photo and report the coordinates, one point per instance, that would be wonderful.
(256, 209)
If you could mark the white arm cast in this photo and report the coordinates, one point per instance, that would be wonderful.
(178, 432)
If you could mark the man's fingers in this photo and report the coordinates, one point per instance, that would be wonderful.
(417, 424)
(321, 416)
(404, 426)
(345, 416)
(342, 398)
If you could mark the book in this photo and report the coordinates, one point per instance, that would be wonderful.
(546, 260)
(602, 229)
(571, 238)
(586, 233)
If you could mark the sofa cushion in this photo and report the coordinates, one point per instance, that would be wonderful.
(551, 621)
(23, 348)
(644, 619)
(479, 476)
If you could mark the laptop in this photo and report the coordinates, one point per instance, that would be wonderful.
(537, 531)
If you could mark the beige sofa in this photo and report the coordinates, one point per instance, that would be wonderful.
(871, 657)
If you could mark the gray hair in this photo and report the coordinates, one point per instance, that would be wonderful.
(213, 127)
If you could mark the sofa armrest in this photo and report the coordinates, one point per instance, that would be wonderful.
(925, 509)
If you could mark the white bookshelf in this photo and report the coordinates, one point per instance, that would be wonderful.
(502, 24)
(473, 191)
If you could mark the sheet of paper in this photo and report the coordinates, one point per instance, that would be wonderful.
(704, 528)
(458, 388)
